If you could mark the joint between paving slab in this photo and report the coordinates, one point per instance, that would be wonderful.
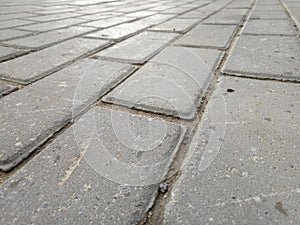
(290, 17)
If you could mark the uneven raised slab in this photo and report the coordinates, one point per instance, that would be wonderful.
(48, 38)
(212, 36)
(172, 83)
(11, 33)
(242, 166)
(227, 16)
(4, 89)
(6, 52)
(86, 175)
(265, 56)
(176, 25)
(269, 27)
(139, 48)
(41, 63)
(37, 111)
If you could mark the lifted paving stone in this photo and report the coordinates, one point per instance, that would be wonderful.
(139, 48)
(172, 83)
(242, 166)
(47, 60)
(269, 27)
(212, 36)
(63, 184)
(265, 56)
(36, 112)
(6, 52)
(5, 89)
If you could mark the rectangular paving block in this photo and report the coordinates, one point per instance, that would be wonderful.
(104, 23)
(155, 19)
(269, 27)
(139, 48)
(271, 15)
(43, 40)
(265, 56)
(47, 105)
(53, 25)
(13, 23)
(197, 14)
(242, 166)
(119, 32)
(176, 25)
(227, 16)
(38, 64)
(15, 16)
(6, 34)
(213, 36)
(171, 83)
(75, 181)
(53, 17)
(240, 4)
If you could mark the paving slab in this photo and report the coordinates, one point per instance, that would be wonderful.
(61, 185)
(119, 32)
(176, 25)
(109, 22)
(198, 14)
(53, 17)
(227, 16)
(13, 23)
(42, 27)
(6, 34)
(171, 83)
(242, 4)
(271, 15)
(47, 60)
(155, 19)
(139, 48)
(269, 27)
(48, 104)
(46, 39)
(6, 52)
(213, 36)
(15, 16)
(265, 56)
(242, 166)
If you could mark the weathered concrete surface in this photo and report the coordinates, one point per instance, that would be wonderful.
(242, 166)
(139, 48)
(176, 25)
(5, 89)
(41, 63)
(64, 186)
(36, 112)
(265, 56)
(227, 16)
(6, 52)
(212, 36)
(172, 83)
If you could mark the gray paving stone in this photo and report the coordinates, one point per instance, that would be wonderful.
(155, 19)
(6, 34)
(176, 25)
(13, 23)
(295, 14)
(176, 10)
(15, 16)
(140, 14)
(240, 4)
(265, 56)
(53, 17)
(119, 32)
(227, 16)
(48, 104)
(199, 14)
(53, 25)
(139, 48)
(100, 16)
(48, 38)
(172, 83)
(6, 52)
(35, 65)
(62, 186)
(244, 172)
(217, 36)
(275, 14)
(109, 22)
(269, 27)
